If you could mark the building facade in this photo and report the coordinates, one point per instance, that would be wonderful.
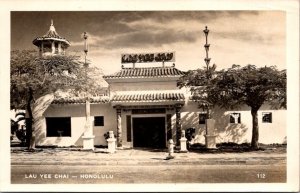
(144, 108)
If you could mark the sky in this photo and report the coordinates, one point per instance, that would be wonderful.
(236, 37)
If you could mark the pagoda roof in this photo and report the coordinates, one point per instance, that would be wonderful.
(146, 73)
(81, 100)
(51, 35)
(162, 96)
(154, 96)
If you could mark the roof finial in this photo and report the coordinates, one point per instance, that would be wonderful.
(52, 26)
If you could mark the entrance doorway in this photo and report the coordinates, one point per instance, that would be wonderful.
(149, 132)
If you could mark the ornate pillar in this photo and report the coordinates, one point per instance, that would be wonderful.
(59, 48)
(119, 127)
(178, 124)
(52, 47)
(88, 136)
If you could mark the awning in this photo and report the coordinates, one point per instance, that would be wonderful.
(149, 97)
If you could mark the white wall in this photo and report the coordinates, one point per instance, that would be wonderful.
(274, 132)
(77, 114)
(135, 86)
(110, 121)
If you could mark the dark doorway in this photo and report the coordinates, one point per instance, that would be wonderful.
(149, 132)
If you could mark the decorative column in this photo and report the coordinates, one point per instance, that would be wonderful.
(88, 137)
(183, 140)
(52, 47)
(210, 137)
(119, 127)
(59, 48)
(206, 46)
(178, 123)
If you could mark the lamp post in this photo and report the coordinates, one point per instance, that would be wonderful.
(210, 137)
(207, 61)
(85, 37)
(88, 137)
(206, 45)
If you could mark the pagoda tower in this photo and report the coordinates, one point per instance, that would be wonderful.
(51, 43)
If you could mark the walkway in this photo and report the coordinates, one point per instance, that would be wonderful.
(75, 156)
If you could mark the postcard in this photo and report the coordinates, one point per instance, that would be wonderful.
(160, 96)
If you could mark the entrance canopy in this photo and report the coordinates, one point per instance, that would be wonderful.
(149, 97)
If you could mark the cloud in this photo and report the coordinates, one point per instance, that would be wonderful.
(140, 39)
(147, 33)
(92, 40)
(147, 29)
(242, 37)
(263, 28)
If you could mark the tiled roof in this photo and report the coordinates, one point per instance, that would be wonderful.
(37, 40)
(51, 35)
(79, 100)
(146, 72)
(150, 97)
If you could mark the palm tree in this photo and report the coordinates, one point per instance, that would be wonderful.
(17, 129)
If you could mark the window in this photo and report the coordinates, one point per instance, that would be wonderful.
(202, 118)
(235, 118)
(98, 121)
(58, 126)
(267, 117)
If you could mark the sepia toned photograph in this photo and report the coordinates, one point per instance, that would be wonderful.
(137, 97)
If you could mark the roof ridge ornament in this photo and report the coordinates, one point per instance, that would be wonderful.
(52, 28)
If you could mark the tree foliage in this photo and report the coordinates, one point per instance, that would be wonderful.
(33, 76)
(199, 81)
(237, 86)
(250, 86)
(47, 75)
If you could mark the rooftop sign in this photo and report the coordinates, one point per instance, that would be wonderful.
(148, 57)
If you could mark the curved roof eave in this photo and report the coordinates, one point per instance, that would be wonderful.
(37, 40)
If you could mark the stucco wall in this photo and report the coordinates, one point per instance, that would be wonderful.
(135, 86)
(110, 121)
(77, 114)
(274, 132)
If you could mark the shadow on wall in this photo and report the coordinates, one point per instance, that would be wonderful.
(40, 106)
(226, 131)
(191, 120)
(79, 141)
(284, 140)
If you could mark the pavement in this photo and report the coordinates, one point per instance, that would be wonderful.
(77, 156)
